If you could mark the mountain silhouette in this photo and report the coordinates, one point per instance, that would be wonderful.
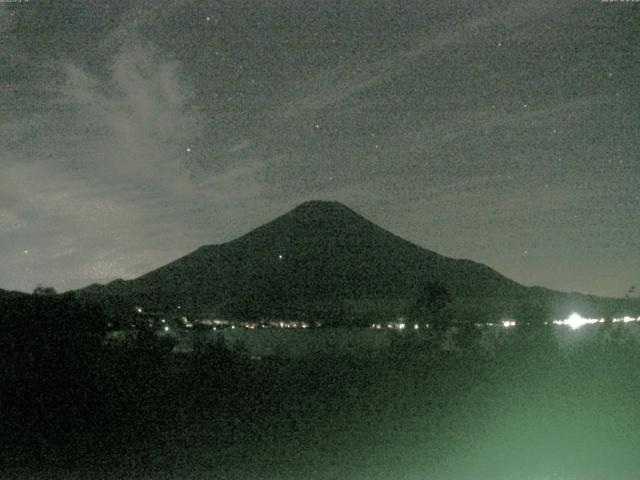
(315, 259)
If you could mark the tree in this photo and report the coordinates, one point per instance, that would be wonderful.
(42, 290)
(431, 305)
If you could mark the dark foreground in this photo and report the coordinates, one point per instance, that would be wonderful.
(524, 411)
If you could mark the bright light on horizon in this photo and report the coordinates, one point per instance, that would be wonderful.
(575, 321)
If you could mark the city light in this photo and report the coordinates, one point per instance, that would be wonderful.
(575, 321)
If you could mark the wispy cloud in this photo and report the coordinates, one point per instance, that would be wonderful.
(115, 187)
(337, 84)
(141, 128)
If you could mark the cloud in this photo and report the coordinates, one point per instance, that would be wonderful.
(141, 125)
(59, 220)
(337, 84)
(109, 188)
(78, 231)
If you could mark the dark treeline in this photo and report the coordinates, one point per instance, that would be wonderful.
(69, 400)
(50, 348)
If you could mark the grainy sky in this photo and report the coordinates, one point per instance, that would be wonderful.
(506, 132)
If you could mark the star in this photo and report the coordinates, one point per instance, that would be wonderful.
(188, 149)
(26, 252)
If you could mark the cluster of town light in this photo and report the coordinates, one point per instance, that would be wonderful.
(573, 321)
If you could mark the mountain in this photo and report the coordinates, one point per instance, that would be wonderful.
(322, 258)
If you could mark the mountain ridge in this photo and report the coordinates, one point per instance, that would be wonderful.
(324, 253)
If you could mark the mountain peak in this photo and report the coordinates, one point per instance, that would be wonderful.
(313, 211)
(323, 207)
(321, 204)
(312, 219)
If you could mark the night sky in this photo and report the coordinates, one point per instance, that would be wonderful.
(506, 132)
